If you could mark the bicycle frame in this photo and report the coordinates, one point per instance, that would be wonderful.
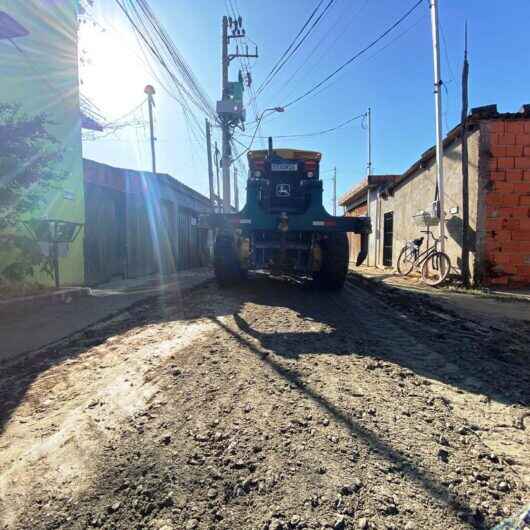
(422, 256)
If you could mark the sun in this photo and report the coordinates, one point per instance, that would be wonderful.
(113, 69)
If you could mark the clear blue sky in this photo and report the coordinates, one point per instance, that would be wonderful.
(394, 79)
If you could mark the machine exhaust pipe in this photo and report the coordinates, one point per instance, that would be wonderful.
(270, 147)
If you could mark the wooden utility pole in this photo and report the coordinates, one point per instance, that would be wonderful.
(465, 172)
(209, 154)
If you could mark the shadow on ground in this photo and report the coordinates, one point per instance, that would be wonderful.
(16, 377)
(412, 329)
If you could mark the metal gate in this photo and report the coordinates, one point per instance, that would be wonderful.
(105, 251)
(388, 239)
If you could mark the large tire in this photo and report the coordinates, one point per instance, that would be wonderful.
(335, 259)
(225, 262)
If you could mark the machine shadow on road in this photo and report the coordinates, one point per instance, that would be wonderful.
(402, 327)
(421, 477)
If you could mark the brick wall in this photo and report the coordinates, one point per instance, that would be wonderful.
(355, 239)
(507, 203)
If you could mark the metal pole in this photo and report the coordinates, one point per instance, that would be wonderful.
(209, 154)
(335, 190)
(153, 155)
(236, 190)
(225, 160)
(433, 4)
(369, 173)
(369, 166)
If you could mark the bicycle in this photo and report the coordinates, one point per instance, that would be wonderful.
(435, 265)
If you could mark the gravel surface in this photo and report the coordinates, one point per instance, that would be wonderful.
(271, 406)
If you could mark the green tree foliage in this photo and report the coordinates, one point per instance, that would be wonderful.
(30, 166)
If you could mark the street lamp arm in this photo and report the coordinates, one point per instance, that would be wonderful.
(272, 109)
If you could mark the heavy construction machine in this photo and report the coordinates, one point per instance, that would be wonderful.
(284, 227)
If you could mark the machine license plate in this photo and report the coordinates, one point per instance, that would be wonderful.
(284, 167)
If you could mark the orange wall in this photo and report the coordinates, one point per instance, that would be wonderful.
(507, 244)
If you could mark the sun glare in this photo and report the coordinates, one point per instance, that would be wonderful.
(113, 71)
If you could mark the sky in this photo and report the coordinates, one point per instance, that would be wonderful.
(394, 79)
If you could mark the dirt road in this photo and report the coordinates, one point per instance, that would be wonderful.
(271, 406)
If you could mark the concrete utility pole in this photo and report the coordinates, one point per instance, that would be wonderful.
(335, 190)
(209, 154)
(236, 191)
(230, 108)
(150, 91)
(433, 4)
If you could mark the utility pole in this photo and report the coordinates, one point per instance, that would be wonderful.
(368, 174)
(209, 154)
(465, 171)
(369, 165)
(236, 190)
(150, 91)
(216, 159)
(433, 4)
(230, 107)
(335, 190)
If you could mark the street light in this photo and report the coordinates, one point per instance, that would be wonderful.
(271, 109)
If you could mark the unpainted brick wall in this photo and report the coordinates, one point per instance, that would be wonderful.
(507, 204)
(355, 239)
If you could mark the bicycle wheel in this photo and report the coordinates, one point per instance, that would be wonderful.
(436, 268)
(405, 262)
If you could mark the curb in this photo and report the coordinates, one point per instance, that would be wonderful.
(63, 296)
(25, 355)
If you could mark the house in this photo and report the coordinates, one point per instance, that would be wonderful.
(499, 199)
(79, 222)
(139, 224)
(40, 92)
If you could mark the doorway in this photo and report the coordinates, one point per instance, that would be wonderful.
(388, 238)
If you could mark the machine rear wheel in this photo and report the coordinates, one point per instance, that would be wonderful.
(335, 258)
(226, 264)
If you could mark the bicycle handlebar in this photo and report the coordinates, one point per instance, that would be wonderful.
(433, 236)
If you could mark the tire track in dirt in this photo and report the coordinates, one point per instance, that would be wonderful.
(298, 409)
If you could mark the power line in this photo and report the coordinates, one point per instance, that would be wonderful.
(357, 55)
(316, 133)
(339, 34)
(380, 50)
(295, 49)
(274, 69)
